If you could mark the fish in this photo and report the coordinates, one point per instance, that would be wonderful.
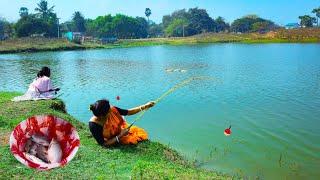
(28, 145)
(40, 140)
(42, 153)
(183, 70)
(34, 159)
(227, 131)
(169, 70)
(54, 152)
(33, 149)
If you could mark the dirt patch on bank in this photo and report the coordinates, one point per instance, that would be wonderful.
(4, 138)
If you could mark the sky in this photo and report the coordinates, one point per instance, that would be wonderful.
(279, 11)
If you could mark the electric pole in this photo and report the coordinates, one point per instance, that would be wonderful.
(58, 28)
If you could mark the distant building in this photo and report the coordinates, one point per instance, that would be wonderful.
(73, 35)
(292, 26)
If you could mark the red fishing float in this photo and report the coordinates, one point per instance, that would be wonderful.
(118, 98)
(227, 131)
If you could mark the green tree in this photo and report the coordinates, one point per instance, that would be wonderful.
(43, 11)
(44, 22)
(199, 21)
(67, 26)
(252, 23)
(125, 27)
(317, 12)
(155, 30)
(79, 22)
(221, 25)
(307, 21)
(102, 26)
(141, 29)
(147, 12)
(260, 26)
(178, 14)
(176, 28)
(120, 26)
(2, 27)
(23, 12)
(31, 24)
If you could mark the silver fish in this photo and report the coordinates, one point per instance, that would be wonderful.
(28, 145)
(42, 153)
(33, 149)
(54, 152)
(40, 140)
(34, 159)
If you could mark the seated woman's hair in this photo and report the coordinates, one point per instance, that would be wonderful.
(45, 71)
(100, 107)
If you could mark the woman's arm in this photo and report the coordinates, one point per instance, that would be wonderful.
(140, 108)
(117, 138)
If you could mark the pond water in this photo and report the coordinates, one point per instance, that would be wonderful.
(269, 93)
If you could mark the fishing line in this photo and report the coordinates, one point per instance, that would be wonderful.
(171, 90)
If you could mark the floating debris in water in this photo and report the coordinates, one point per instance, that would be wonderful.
(175, 70)
(227, 131)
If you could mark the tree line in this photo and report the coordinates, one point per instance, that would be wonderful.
(180, 23)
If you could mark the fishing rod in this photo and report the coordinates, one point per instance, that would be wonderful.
(171, 90)
(50, 90)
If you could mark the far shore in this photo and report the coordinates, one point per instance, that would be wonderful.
(306, 35)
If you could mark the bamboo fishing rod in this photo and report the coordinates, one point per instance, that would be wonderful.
(171, 90)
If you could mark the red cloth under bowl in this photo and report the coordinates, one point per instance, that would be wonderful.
(51, 127)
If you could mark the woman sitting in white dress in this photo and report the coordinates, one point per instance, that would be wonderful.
(40, 88)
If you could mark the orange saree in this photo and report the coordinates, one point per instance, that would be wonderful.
(115, 123)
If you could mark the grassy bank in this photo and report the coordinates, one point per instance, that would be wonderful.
(147, 160)
(280, 36)
(304, 35)
(39, 44)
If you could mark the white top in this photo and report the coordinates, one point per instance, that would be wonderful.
(41, 84)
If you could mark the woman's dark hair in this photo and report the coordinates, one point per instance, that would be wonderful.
(45, 71)
(100, 107)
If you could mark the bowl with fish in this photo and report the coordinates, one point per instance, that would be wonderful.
(44, 142)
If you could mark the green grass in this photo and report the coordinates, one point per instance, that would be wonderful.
(147, 160)
(39, 44)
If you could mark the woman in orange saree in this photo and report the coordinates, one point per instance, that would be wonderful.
(108, 126)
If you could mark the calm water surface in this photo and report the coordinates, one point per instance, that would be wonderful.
(269, 93)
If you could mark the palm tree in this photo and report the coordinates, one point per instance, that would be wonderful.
(317, 12)
(148, 13)
(44, 11)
